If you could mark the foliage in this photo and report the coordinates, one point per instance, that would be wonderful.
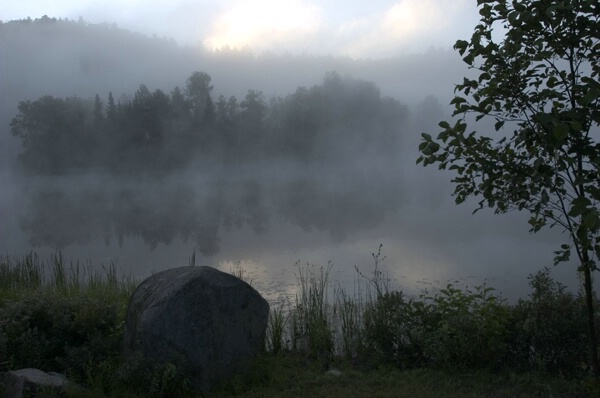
(46, 127)
(540, 81)
(311, 329)
(59, 318)
(276, 329)
(454, 329)
(549, 334)
(446, 340)
(134, 374)
(457, 331)
(543, 81)
(53, 332)
(390, 336)
(56, 319)
(155, 133)
(349, 313)
(471, 330)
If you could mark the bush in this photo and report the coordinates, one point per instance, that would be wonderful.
(395, 329)
(550, 328)
(471, 330)
(53, 332)
(455, 329)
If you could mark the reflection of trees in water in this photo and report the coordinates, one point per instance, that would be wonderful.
(55, 218)
(162, 211)
(157, 212)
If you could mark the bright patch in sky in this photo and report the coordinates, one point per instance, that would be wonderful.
(407, 18)
(262, 24)
(400, 28)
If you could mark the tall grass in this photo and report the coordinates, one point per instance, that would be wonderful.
(61, 317)
(452, 328)
(348, 313)
(324, 325)
(310, 318)
(69, 318)
(278, 319)
(20, 276)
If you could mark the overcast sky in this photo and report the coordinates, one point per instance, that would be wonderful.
(356, 28)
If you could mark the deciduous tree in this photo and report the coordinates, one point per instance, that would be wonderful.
(537, 66)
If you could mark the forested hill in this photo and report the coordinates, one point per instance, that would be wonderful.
(63, 57)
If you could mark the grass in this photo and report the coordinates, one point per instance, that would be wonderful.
(292, 376)
(326, 343)
(22, 276)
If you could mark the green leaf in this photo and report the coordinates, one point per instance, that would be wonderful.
(594, 192)
(592, 95)
(543, 118)
(579, 206)
(561, 131)
(526, 16)
(426, 137)
(591, 220)
(457, 100)
(443, 124)
(461, 46)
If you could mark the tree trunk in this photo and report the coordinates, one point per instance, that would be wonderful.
(589, 301)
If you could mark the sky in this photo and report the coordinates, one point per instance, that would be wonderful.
(355, 28)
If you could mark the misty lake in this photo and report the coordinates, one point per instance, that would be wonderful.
(427, 243)
(259, 162)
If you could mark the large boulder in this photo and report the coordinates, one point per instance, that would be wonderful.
(209, 323)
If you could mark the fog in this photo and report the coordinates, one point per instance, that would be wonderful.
(308, 186)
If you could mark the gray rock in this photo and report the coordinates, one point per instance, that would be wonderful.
(334, 372)
(31, 381)
(208, 323)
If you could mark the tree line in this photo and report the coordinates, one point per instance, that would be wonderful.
(157, 132)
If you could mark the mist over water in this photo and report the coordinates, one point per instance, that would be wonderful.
(337, 202)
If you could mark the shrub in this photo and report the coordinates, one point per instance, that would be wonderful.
(58, 333)
(455, 329)
(471, 329)
(393, 331)
(550, 328)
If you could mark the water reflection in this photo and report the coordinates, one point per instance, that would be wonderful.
(194, 207)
